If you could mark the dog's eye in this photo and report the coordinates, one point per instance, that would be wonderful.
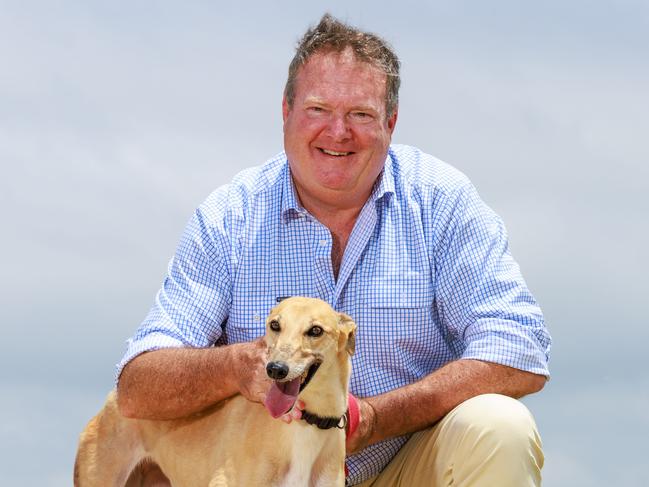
(315, 331)
(274, 325)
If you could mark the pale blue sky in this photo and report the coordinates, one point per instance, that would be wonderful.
(118, 118)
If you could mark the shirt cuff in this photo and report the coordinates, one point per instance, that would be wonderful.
(507, 343)
(148, 343)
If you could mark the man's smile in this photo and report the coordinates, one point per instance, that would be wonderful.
(334, 153)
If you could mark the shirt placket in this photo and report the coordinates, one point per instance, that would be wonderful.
(324, 278)
(356, 245)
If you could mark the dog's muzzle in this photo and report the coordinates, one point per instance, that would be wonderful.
(277, 370)
(283, 393)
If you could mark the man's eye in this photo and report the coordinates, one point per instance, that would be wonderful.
(314, 331)
(361, 115)
(274, 325)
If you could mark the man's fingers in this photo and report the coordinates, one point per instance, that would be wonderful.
(250, 368)
(295, 413)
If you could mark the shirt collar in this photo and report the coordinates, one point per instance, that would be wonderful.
(291, 208)
(384, 186)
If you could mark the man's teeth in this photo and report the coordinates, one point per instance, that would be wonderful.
(334, 153)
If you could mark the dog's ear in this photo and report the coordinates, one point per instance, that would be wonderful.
(347, 333)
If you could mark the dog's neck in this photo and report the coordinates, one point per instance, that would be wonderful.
(325, 423)
(326, 394)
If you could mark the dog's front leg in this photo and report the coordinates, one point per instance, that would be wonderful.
(329, 479)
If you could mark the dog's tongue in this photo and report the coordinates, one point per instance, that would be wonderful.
(281, 397)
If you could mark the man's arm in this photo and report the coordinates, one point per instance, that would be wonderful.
(416, 406)
(175, 382)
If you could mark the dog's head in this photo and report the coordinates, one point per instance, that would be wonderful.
(302, 335)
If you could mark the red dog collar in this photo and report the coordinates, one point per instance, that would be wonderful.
(353, 419)
(353, 414)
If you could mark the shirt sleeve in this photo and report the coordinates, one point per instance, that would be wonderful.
(195, 296)
(481, 296)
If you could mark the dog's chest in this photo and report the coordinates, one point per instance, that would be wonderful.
(307, 447)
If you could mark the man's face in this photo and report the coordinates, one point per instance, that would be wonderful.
(336, 133)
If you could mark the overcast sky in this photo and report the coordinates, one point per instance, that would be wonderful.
(118, 118)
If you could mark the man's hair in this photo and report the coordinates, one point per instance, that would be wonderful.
(332, 35)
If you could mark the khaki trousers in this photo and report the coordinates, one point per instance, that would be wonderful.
(487, 441)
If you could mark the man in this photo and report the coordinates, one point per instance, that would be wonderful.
(448, 332)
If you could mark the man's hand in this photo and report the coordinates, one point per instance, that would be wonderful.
(249, 368)
(360, 438)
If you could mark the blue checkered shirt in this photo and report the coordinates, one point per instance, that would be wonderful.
(426, 275)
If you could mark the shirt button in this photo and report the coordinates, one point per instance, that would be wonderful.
(256, 318)
(323, 242)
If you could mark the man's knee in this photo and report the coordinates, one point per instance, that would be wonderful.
(496, 436)
(499, 420)
(487, 440)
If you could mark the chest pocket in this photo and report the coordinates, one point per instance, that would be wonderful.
(247, 319)
(397, 315)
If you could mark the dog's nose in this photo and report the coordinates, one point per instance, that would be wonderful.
(277, 370)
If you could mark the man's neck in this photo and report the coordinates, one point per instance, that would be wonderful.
(339, 216)
(340, 224)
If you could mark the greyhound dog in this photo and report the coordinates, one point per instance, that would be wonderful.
(238, 442)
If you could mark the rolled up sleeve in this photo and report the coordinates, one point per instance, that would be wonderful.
(195, 296)
(482, 297)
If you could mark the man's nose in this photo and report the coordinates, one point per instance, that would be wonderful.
(338, 128)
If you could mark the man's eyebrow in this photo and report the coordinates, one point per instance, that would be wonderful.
(364, 108)
(314, 100)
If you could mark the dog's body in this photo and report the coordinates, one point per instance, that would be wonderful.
(237, 442)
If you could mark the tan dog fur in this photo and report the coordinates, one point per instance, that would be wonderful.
(236, 442)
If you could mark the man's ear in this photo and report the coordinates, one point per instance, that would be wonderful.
(392, 121)
(285, 109)
(347, 333)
